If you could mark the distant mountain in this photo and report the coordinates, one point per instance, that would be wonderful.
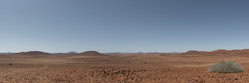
(92, 53)
(6, 53)
(219, 52)
(33, 53)
(194, 52)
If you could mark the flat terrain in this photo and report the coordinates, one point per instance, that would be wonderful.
(126, 68)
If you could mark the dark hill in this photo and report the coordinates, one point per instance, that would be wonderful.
(92, 53)
(194, 52)
(33, 53)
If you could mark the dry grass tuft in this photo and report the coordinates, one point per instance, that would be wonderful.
(226, 67)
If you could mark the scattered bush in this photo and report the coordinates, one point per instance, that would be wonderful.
(165, 54)
(10, 64)
(226, 67)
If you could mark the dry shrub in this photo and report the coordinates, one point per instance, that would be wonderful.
(226, 67)
(10, 64)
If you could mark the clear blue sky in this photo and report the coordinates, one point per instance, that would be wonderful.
(123, 25)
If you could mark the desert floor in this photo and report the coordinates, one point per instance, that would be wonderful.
(129, 68)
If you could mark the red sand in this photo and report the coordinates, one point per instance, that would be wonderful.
(125, 68)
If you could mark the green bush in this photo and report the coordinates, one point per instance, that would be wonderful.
(226, 67)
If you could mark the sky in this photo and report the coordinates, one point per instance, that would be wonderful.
(123, 25)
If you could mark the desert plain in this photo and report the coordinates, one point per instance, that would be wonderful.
(93, 67)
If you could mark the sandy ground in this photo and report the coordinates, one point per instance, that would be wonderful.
(132, 68)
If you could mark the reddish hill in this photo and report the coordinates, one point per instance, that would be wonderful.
(92, 53)
(33, 53)
(220, 52)
(230, 52)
